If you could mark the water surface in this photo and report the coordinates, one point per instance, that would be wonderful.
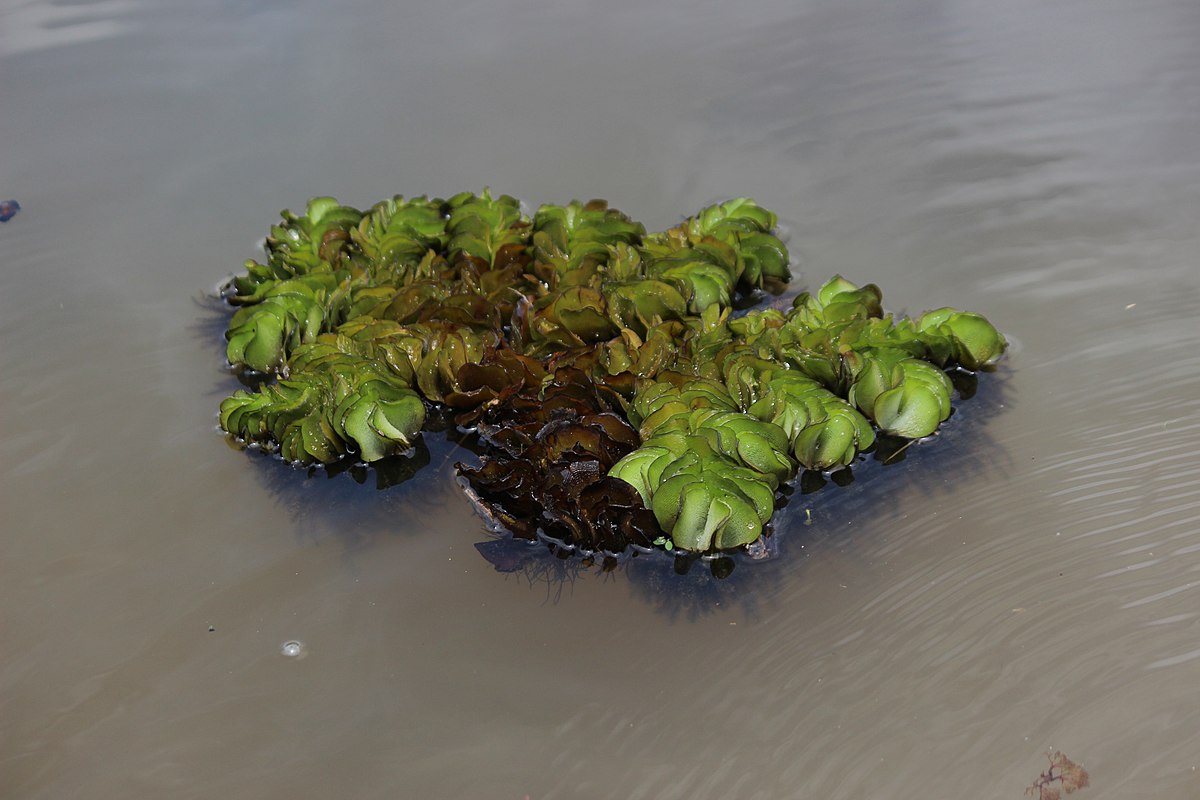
(1026, 581)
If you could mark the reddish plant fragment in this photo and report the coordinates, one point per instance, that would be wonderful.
(1069, 776)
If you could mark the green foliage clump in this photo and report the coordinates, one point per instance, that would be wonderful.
(624, 402)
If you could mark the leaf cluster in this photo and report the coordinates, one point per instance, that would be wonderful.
(620, 400)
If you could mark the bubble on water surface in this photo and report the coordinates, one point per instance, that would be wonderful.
(292, 649)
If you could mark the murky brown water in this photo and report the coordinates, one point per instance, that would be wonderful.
(1029, 580)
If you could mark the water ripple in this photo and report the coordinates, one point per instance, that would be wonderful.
(35, 25)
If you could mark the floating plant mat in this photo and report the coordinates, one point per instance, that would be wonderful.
(618, 399)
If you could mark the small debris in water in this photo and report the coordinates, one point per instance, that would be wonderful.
(8, 209)
(292, 649)
(1069, 775)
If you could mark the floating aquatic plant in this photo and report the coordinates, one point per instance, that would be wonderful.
(619, 400)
